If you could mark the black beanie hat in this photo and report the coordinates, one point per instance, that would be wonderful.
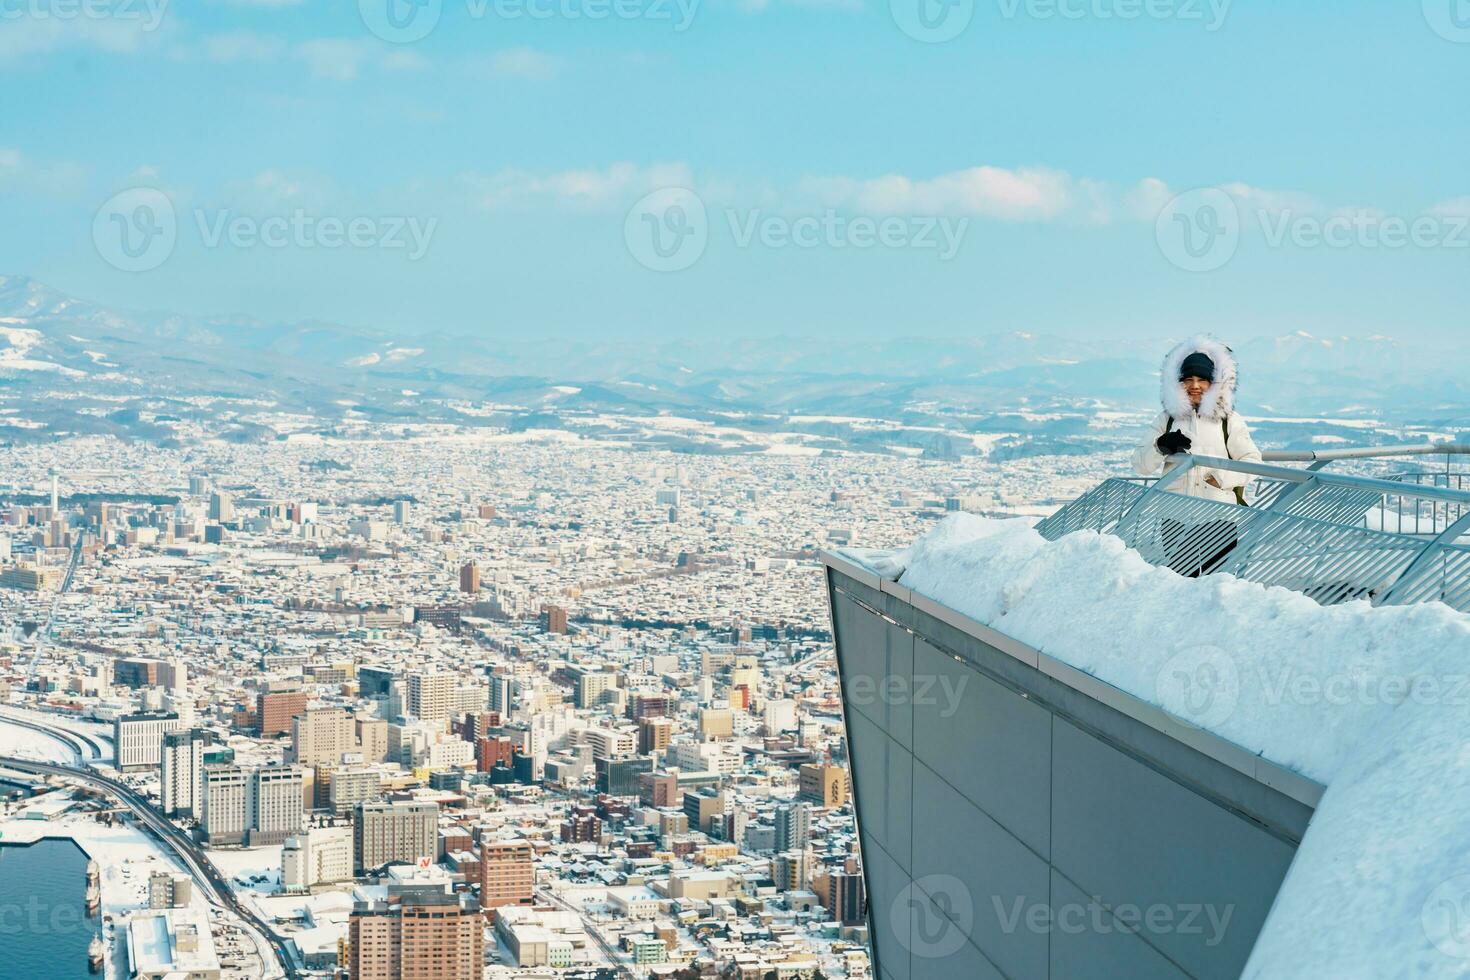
(1197, 365)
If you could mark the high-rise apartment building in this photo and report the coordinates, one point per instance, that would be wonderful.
(277, 808)
(430, 695)
(181, 772)
(321, 736)
(507, 873)
(226, 816)
(469, 578)
(394, 833)
(427, 934)
(793, 827)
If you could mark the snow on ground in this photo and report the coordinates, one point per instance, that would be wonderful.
(25, 743)
(240, 865)
(1372, 702)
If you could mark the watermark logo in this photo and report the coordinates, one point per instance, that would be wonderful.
(1209, 922)
(1199, 231)
(1450, 19)
(148, 14)
(1446, 917)
(668, 230)
(401, 21)
(1200, 686)
(921, 690)
(932, 21)
(1210, 13)
(940, 912)
(37, 918)
(136, 230)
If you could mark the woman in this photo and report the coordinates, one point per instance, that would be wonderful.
(1198, 392)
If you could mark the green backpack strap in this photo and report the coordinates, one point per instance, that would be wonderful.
(1239, 491)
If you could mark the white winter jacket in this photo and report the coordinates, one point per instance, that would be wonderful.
(1206, 428)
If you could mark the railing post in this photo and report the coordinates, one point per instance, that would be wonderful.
(1427, 555)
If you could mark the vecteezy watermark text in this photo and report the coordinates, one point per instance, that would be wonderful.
(408, 21)
(138, 230)
(936, 21)
(1077, 918)
(1201, 230)
(668, 230)
(149, 13)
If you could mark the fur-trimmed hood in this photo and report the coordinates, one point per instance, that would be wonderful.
(1219, 401)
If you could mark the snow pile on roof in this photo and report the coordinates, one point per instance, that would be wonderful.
(1372, 702)
(1266, 668)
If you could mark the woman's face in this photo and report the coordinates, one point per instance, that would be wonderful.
(1195, 388)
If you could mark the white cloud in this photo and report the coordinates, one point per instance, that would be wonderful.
(19, 173)
(338, 59)
(26, 36)
(524, 63)
(1458, 207)
(1025, 194)
(243, 46)
(617, 184)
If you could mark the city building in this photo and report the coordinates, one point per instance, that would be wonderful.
(139, 738)
(226, 818)
(181, 772)
(422, 933)
(317, 856)
(507, 873)
(321, 736)
(388, 833)
(276, 706)
(823, 785)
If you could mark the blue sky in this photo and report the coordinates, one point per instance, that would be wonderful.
(1046, 138)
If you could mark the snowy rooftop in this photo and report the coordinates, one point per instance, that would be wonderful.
(1372, 701)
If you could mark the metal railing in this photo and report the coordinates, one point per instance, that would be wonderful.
(1326, 535)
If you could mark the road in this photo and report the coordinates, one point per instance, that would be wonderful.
(210, 881)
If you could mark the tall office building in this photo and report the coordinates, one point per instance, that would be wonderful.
(138, 738)
(221, 507)
(276, 706)
(181, 772)
(426, 934)
(402, 511)
(469, 578)
(321, 736)
(394, 833)
(430, 695)
(592, 684)
(226, 817)
(793, 827)
(277, 808)
(507, 873)
(823, 785)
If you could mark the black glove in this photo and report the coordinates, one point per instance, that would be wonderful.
(1173, 443)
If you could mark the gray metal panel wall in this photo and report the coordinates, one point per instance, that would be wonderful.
(1014, 826)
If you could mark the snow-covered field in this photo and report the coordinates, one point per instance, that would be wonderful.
(25, 743)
